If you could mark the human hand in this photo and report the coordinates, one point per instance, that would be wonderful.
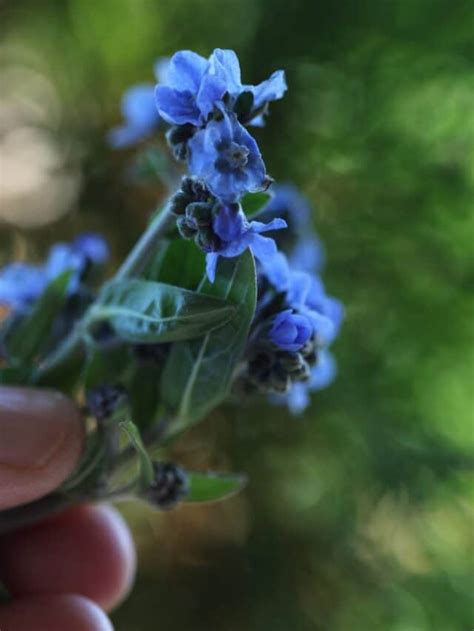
(64, 572)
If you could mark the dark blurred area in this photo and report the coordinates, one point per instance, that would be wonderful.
(357, 515)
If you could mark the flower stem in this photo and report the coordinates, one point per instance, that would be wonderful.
(133, 265)
(146, 245)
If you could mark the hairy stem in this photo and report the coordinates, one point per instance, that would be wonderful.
(133, 265)
(146, 245)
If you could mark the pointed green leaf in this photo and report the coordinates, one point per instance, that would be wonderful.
(198, 374)
(105, 366)
(26, 340)
(181, 263)
(253, 203)
(212, 487)
(146, 312)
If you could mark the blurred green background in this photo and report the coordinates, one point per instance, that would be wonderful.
(358, 515)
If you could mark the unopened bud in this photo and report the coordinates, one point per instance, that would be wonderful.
(200, 212)
(169, 487)
(208, 240)
(185, 229)
(103, 400)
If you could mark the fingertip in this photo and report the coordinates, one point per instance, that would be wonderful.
(56, 612)
(41, 433)
(88, 550)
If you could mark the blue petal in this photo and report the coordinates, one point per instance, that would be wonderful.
(125, 136)
(258, 121)
(271, 89)
(21, 284)
(186, 70)
(92, 246)
(211, 265)
(277, 271)
(225, 63)
(298, 398)
(61, 258)
(141, 117)
(323, 327)
(139, 107)
(300, 286)
(210, 93)
(202, 154)
(308, 255)
(228, 224)
(275, 224)
(324, 372)
(161, 68)
(176, 107)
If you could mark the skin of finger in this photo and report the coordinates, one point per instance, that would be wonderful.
(22, 484)
(88, 551)
(56, 612)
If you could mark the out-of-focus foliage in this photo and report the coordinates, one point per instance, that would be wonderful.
(357, 516)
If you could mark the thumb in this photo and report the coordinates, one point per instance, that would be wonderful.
(40, 443)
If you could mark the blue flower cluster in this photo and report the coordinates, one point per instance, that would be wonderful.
(209, 107)
(21, 284)
(305, 319)
(208, 97)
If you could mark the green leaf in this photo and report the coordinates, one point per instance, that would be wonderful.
(30, 336)
(13, 376)
(146, 312)
(211, 487)
(181, 263)
(105, 366)
(253, 203)
(198, 374)
(144, 394)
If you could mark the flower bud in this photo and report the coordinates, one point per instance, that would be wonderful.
(169, 487)
(200, 212)
(292, 362)
(280, 381)
(194, 188)
(303, 373)
(178, 203)
(103, 400)
(208, 240)
(185, 229)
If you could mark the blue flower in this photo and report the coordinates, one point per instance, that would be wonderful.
(290, 331)
(227, 158)
(179, 101)
(92, 246)
(20, 285)
(306, 294)
(224, 68)
(305, 251)
(139, 111)
(237, 234)
(195, 86)
(140, 114)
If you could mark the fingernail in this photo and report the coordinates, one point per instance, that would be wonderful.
(34, 425)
